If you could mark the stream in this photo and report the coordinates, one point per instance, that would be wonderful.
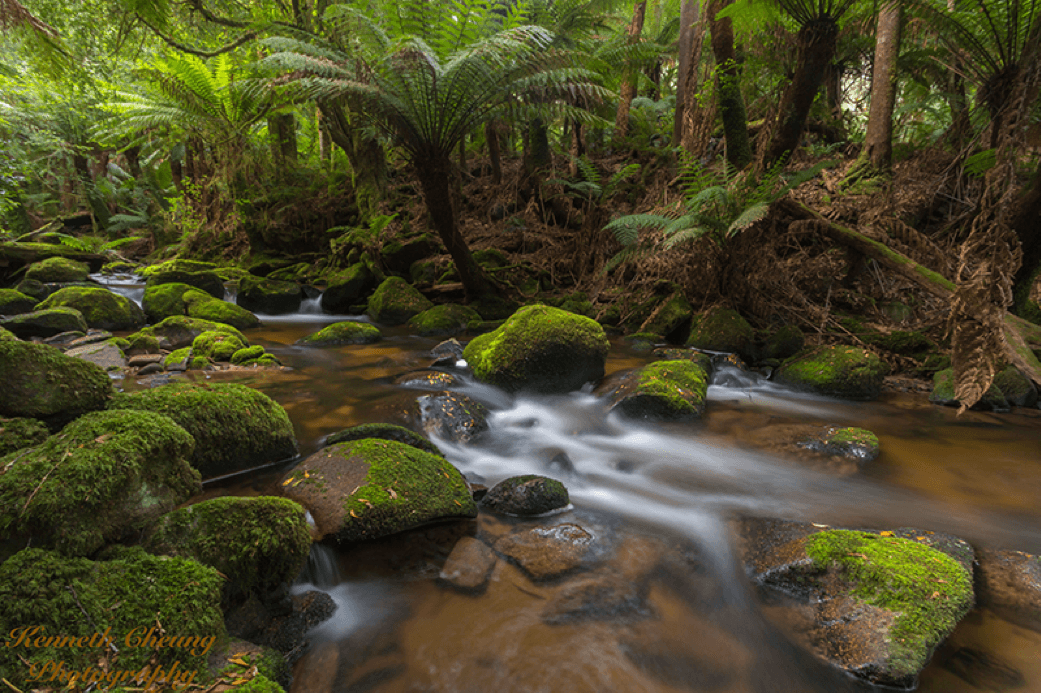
(661, 503)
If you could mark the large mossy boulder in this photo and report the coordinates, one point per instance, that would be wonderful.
(722, 329)
(7, 336)
(204, 307)
(16, 434)
(162, 301)
(835, 371)
(257, 543)
(46, 595)
(395, 302)
(399, 254)
(41, 382)
(218, 346)
(15, 302)
(540, 349)
(443, 321)
(234, 427)
(207, 281)
(58, 270)
(876, 605)
(371, 488)
(45, 323)
(664, 391)
(268, 296)
(101, 308)
(342, 334)
(177, 332)
(670, 317)
(101, 479)
(178, 265)
(347, 288)
(383, 431)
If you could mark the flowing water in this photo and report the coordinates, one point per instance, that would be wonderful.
(660, 502)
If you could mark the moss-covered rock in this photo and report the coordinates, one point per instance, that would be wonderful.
(258, 544)
(102, 478)
(41, 382)
(723, 329)
(140, 343)
(7, 336)
(120, 267)
(247, 354)
(382, 431)
(541, 349)
(1017, 388)
(901, 342)
(217, 346)
(443, 321)
(672, 316)
(101, 308)
(835, 371)
(578, 303)
(346, 288)
(125, 598)
(206, 281)
(395, 301)
(58, 270)
(783, 343)
(399, 254)
(178, 265)
(268, 296)
(491, 307)
(343, 333)
(664, 391)
(526, 496)
(234, 426)
(45, 323)
(15, 302)
(16, 434)
(161, 301)
(180, 331)
(184, 360)
(36, 289)
(855, 444)
(370, 488)
(943, 393)
(204, 307)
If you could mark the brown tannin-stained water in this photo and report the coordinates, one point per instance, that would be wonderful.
(678, 614)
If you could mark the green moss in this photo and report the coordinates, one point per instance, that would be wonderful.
(16, 434)
(125, 596)
(174, 358)
(46, 322)
(268, 295)
(722, 329)
(853, 436)
(343, 333)
(943, 393)
(163, 300)
(835, 371)
(141, 343)
(58, 270)
(104, 475)
(396, 301)
(120, 267)
(666, 390)
(258, 543)
(904, 343)
(178, 265)
(234, 426)
(644, 341)
(578, 303)
(178, 331)
(442, 321)
(41, 382)
(217, 346)
(34, 288)
(926, 590)
(490, 258)
(247, 354)
(1016, 387)
(13, 302)
(491, 307)
(7, 336)
(101, 308)
(204, 307)
(262, 360)
(784, 343)
(382, 431)
(540, 348)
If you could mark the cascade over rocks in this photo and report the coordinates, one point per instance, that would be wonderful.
(540, 349)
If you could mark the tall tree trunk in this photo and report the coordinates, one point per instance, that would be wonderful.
(878, 142)
(687, 82)
(815, 48)
(628, 91)
(434, 177)
(537, 154)
(325, 144)
(731, 102)
(364, 153)
(282, 131)
(491, 137)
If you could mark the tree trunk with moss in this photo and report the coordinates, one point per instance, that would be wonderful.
(364, 153)
(728, 85)
(628, 90)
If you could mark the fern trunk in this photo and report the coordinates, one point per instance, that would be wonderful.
(731, 102)
(491, 137)
(365, 155)
(435, 175)
(815, 48)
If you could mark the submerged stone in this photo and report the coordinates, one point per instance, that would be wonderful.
(101, 308)
(1010, 585)
(525, 496)
(371, 488)
(469, 565)
(540, 349)
(41, 382)
(835, 371)
(102, 478)
(607, 597)
(547, 552)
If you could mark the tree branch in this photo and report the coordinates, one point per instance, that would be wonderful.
(245, 38)
(224, 21)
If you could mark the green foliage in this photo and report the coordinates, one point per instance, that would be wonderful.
(593, 187)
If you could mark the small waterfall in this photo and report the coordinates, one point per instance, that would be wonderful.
(321, 570)
(130, 285)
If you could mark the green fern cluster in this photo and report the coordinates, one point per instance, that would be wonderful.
(593, 187)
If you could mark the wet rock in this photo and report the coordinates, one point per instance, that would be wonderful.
(19, 433)
(663, 391)
(382, 431)
(469, 565)
(14, 302)
(204, 307)
(673, 315)
(526, 496)
(63, 339)
(161, 301)
(274, 530)
(235, 427)
(395, 302)
(547, 552)
(268, 296)
(150, 368)
(451, 416)
(105, 355)
(676, 354)
(450, 348)
(101, 308)
(427, 380)
(835, 371)
(983, 670)
(371, 488)
(540, 349)
(722, 329)
(875, 605)
(92, 337)
(58, 270)
(855, 444)
(204, 280)
(1010, 585)
(600, 598)
(141, 360)
(102, 479)
(1019, 391)
(943, 393)
(41, 382)
(180, 331)
(783, 343)
(346, 288)
(282, 626)
(45, 323)
(446, 319)
(343, 333)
